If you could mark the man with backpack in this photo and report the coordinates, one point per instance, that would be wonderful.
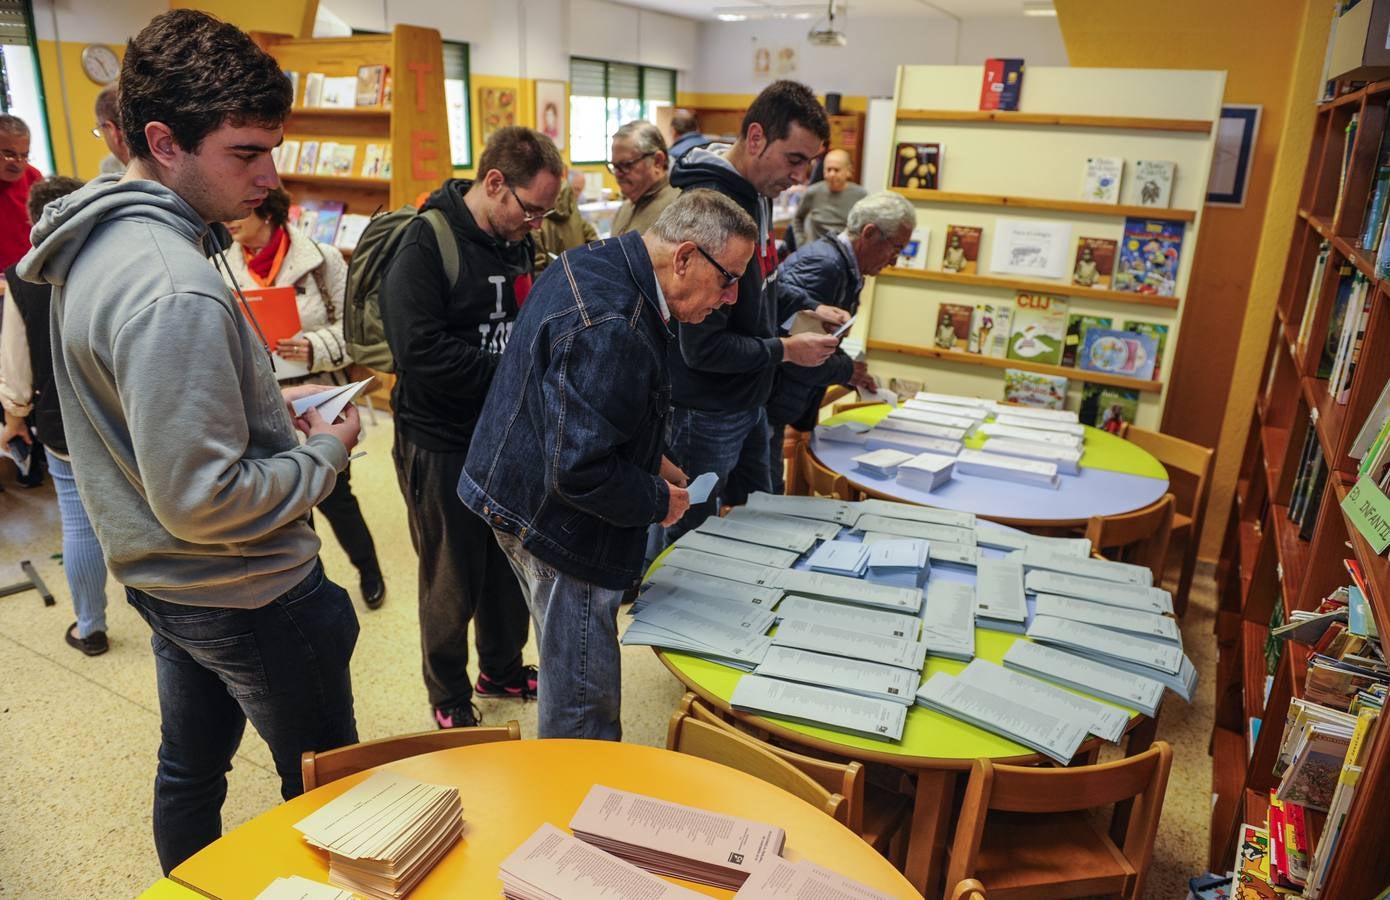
(446, 336)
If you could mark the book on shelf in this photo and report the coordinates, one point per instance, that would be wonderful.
(1150, 257)
(1039, 328)
(1349, 143)
(1310, 300)
(371, 81)
(1156, 330)
(1354, 323)
(1374, 225)
(1031, 248)
(1348, 280)
(553, 865)
(1251, 878)
(953, 326)
(1095, 262)
(313, 89)
(293, 78)
(1003, 83)
(962, 252)
(989, 330)
(918, 166)
(1113, 352)
(1077, 326)
(328, 215)
(350, 230)
(339, 92)
(308, 158)
(1153, 182)
(340, 159)
(1100, 182)
(287, 157)
(373, 159)
(914, 255)
(1034, 389)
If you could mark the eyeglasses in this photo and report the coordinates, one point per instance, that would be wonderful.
(11, 156)
(529, 213)
(729, 277)
(623, 168)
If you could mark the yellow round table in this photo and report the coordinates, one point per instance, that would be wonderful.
(508, 790)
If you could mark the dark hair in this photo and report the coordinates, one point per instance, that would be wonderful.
(520, 154)
(783, 103)
(44, 192)
(275, 208)
(195, 73)
(109, 105)
(684, 122)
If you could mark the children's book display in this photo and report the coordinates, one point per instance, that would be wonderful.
(1101, 183)
(1002, 85)
(961, 254)
(1127, 353)
(369, 88)
(953, 322)
(918, 166)
(914, 255)
(1095, 262)
(1150, 254)
(1039, 329)
(1077, 326)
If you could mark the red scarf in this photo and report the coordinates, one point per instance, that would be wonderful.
(265, 264)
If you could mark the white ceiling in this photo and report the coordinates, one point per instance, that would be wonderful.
(974, 9)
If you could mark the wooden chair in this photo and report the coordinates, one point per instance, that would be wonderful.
(689, 735)
(1193, 463)
(878, 816)
(1139, 537)
(330, 765)
(1026, 833)
(969, 889)
(792, 442)
(820, 481)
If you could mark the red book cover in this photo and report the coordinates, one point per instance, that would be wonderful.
(275, 310)
(1002, 85)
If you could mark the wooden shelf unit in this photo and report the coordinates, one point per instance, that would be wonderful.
(1075, 206)
(995, 362)
(1032, 286)
(1129, 123)
(1304, 571)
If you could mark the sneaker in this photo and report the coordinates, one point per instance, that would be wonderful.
(93, 644)
(465, 715)
(523, 688)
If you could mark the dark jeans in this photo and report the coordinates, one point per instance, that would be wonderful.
(283, 666)
(345, 517)
(464, 576)
(732, 444)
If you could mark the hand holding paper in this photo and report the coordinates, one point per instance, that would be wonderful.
(701, 487)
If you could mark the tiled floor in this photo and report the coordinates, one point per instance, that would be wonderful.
(78, 735)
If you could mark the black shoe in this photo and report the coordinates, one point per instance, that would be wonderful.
(373, 589)
(524, 687)
(93, 644)
(462, 716)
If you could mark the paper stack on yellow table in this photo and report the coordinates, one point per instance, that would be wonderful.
(682, 841)
(552, 865)
(782, 879)
(385, 834)
(297, 887)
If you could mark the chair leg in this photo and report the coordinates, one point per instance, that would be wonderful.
(1140, 739)
(1189, 568)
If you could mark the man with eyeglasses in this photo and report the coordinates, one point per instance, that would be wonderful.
(108, 129)
(16, 177)
(722, 368)
(639, 163)
(447, 339)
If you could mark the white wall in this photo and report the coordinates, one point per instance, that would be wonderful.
(105, 22)
(877, 46)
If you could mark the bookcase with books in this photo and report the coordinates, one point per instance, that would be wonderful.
(1298, 758)
(1066, 226)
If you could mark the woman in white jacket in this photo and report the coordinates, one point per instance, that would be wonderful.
(271, 253)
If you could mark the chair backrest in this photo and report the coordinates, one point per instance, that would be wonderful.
(687, 734)
(1140, 537)
(1027, 789)
(820, 481)
(844, 778)
(1192, 461)
(330, 765)
(969, 889)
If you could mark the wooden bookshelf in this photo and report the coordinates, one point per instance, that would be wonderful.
(1001, 117)
(1075, 206)
(1034, 286)
(1293, 405)
(994, 362)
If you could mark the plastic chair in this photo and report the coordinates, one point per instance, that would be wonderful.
(330, 765)
(820, 481)
(1026, 832)
(1139, 537)
(1193, 463)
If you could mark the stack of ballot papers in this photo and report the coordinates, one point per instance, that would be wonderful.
(729, 631)
(911, 512)
(1099, 590)
(956, 400)
(297, 887)
(948, 620)
(672, 839)
(852, 643)
(1018, 718)
(823, 707)
(911, 442)
(849, 558)
(894, 421)
(782, 879)
(1101, 719)
(817, 529)
(1116, 618)
(910, 528)
(1008, 539)
(1008, 468)
(1157, 660)
(385, 834)
(926, 471)
(971, 414)
(671, 579)
(854, 676)
(1075, 429)
(1034, 412)
(1036, 435)
(823, 509)
(705, 542)
(944, 418)
(887, 557)
(881, 463)
(1038, 556)
(1085, 675)
(793, 535)
(842, 615)
(1067, 459)
(844, 433)
(1000, 603)
(330, 403)
(552, 865)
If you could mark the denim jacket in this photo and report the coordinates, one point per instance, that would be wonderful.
(568, 448)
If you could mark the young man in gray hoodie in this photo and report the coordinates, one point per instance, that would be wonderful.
(184, 448)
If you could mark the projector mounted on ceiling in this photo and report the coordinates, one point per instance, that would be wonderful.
(829, 36)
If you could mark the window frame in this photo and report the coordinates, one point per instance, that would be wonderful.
(466, 50)
(641, 98)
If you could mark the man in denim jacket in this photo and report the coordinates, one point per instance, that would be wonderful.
(584, 380)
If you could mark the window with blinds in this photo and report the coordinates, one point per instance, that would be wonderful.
(606, 95)
(14, 29)
(456, 99)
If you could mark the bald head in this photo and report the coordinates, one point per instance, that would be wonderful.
(839, 170)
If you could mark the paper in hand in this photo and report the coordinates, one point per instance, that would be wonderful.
(700, 488)
(330, 403)
(838, 332)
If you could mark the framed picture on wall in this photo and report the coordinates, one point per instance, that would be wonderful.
(1232, 156)
(496, 109)
(550, 111)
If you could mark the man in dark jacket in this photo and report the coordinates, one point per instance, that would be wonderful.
(567, 463)
(447, 340)
(722, 368)
(831, 271)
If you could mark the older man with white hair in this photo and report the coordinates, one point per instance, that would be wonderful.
(641, 166)
(831, 271)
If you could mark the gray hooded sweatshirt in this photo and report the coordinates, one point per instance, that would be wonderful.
(184, 454)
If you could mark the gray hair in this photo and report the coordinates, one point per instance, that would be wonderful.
(706, 217)
(644, 135)
(886, 210)
(13, 125)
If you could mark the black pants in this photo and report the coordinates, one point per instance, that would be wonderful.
(464, 575)
(345, 517)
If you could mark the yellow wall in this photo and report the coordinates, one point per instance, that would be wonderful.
(1256, 46)
(74, 130)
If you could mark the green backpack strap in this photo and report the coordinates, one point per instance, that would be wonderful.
(448, 244)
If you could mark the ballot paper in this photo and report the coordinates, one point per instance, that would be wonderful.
(850, 643)
(854, 676)
(1115, 618)
(1056, 438)
(964, 414)
(1009, 539)
(925, 531)
(1012, 717)
(953, 554)
(1035, 412)
(823, 509)
(892, 422)
(1035, 556)
(800, 525)
(552, 865)
(882, 395)
(883, 463)
(954, 400)
(1127, 596)
(913, 513)
(673, 839)
(964, 424)
(1085, 675)
(297, 887)
(835, 710)
(910, 554)
(700, 488)
(706, 631)
(841, 615)
(849, 558)
(909, 442)
(926, 471)
(948, 620)
(754, 553)
(669, 593)
(848, 590)
(709, 585)
(844, 433)
(788, 537)
(845, 326)
(782, 879)
(1008, 468)
(1101, 719)
(1075, 429)
(719, 566)
(330, 403)
(999, 599)
(1067, 459)
(1158, 660)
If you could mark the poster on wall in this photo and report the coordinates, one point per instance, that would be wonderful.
(1232, 155)
(773, 62)
(550, 111)
(496, 109)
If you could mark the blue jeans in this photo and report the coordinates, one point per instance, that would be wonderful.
(576, 623)
(83, 563)
(732, 444)
(284, 666)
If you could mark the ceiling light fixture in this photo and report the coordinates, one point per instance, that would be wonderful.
(761, 13)
(829, 36)
(1039, 8)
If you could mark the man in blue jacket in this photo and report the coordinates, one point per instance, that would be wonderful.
(831, 271)
(567, 462)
